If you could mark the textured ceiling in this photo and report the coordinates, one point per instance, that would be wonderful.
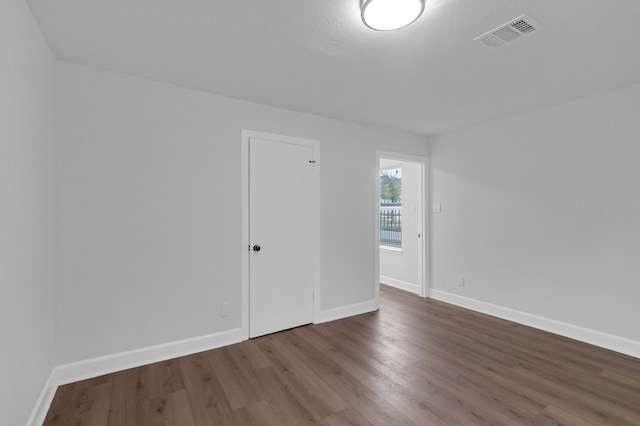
(316, 56)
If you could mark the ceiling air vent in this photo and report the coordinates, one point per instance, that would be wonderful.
(504, 34)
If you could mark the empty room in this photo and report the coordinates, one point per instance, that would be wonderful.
(353, 212)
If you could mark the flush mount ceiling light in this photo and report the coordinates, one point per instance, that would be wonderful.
(386, 15)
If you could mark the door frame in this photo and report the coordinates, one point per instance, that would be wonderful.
(426, 234)
(244, 219)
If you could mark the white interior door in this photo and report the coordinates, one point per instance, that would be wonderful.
(281, 235)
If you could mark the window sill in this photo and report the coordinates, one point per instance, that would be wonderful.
(391, 250)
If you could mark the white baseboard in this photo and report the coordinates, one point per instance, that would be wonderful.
(94, 367)
(44, 401)
(593, 337)
(402, 285)
(347, 311)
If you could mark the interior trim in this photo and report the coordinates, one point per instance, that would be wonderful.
(586, 335)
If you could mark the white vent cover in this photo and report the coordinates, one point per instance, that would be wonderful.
(504, 34)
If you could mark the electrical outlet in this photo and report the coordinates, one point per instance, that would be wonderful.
(437, 208)
(461, 281)
(225, 309)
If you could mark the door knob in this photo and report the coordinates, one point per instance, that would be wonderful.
(256, 248)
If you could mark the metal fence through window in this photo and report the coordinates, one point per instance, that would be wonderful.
(391, 225)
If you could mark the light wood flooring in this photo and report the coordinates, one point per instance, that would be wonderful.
(416, 361)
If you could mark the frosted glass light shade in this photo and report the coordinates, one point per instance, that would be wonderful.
(385, 15)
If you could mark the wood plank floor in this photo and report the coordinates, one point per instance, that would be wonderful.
(415, 362)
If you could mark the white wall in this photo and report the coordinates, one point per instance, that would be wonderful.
(149, 209)
(403, 268)
(28, 131)
(541, 212)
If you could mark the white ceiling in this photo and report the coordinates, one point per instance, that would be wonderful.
(316, 56)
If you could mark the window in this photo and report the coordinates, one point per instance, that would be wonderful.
(391, 208)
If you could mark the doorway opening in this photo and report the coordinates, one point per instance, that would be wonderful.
(402, 222)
